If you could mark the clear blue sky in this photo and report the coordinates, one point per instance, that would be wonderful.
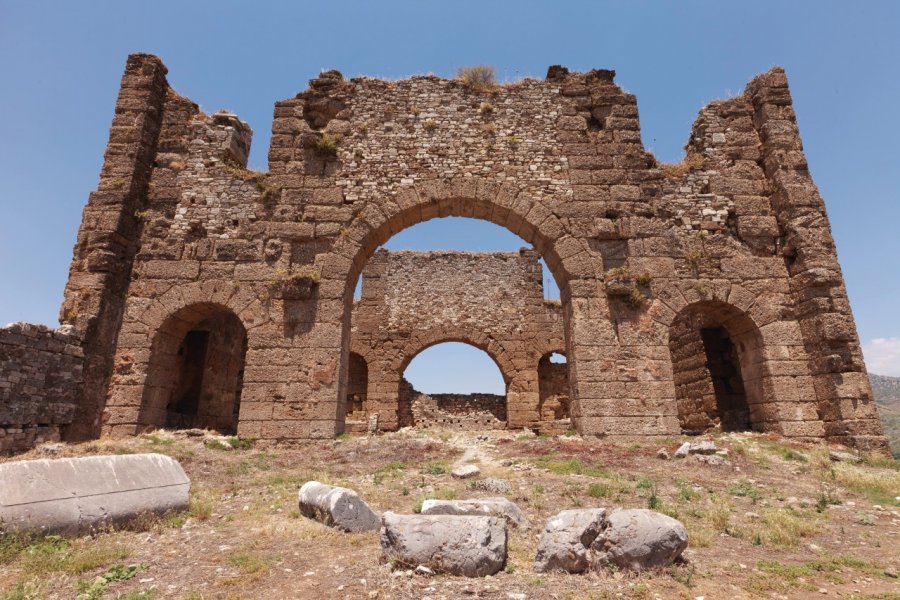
(61, 62)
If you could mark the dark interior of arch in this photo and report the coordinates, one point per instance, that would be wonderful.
(717, 365)
(357, 387)
(196, 371)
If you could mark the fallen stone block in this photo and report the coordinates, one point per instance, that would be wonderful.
(565, 544)
(494, 486)
(638, 539)
(576, 541)
(467, 546)
(465, 472)
(337, 506)
(496, 507)
(702, 447)
(713, 459)
(72, 495)
(837, 456)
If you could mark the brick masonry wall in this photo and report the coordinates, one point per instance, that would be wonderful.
(178, 222)
(40, 382)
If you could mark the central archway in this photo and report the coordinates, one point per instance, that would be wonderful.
(566, 257)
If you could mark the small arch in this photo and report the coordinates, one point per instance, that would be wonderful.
(196, 370)
(553, 389)
(718, 367)
(457, 410)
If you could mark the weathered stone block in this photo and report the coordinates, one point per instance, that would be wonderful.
(337, 506)
(466, 546)
(71, 495)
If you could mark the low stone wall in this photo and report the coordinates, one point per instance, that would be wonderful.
(459, 411)
(40, 380)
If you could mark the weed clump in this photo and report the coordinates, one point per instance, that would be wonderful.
(327, 145)
(691, 162)
(478, 78)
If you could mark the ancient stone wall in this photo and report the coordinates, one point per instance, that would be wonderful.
(40, 384)
(737, 231)
(464, 412)
(493, 301)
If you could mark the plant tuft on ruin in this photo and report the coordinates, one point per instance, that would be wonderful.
(327, 145)
(296, 283)
(477, 78)
(691, 162)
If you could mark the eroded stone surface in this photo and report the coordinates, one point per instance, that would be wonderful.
(567, 539)
(72, 495)
(336, 506)
(465, 471)
(467, 546)
(639, 539)
(575, 541)
(497, 507)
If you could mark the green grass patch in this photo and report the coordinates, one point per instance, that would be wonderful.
(256, 462)
(568, 466)
(247, 563)
(598, 490)
(745, 489)
(434, 468)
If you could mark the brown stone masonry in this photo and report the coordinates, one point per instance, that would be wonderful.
(706, 294)
(40, 384)
(414, 300)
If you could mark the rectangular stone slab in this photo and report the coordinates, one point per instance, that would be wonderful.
(70, 495)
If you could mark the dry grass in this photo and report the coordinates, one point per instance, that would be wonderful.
(245, 537)
(692, 161)
(783, 527)
(881, 486)
(478, 78)
(327, 145)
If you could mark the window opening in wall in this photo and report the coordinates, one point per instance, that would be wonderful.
(357, 391)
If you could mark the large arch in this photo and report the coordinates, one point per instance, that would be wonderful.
(567, 257)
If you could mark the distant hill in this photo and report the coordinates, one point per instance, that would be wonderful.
(887, 397)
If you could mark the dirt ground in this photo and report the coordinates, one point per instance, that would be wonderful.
(775, 521)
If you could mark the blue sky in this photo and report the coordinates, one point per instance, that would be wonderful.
(61, 62)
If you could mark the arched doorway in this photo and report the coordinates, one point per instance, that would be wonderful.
(718, 367)
(196, 369)
(453, 385)
(553, 383)
(357, 391)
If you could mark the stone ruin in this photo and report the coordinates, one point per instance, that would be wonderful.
(414, 300)
(202, 294)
